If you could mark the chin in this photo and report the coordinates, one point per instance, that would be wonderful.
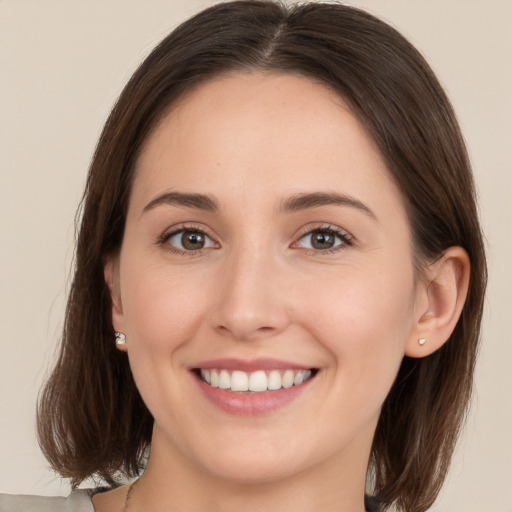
(253, 472)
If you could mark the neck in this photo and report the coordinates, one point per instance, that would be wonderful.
(170, 478)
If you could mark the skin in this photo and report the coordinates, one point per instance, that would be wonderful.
(260, 289)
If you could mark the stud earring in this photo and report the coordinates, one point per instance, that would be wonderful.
(120, 339)
(422, 341)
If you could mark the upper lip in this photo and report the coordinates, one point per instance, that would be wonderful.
(249, 365)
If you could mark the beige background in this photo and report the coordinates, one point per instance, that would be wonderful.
(62, 64)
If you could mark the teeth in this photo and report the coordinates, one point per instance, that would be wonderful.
(287, 379)
(257, 382)
(214, 376)
(224, 380)
(239, 381)
(274, 380)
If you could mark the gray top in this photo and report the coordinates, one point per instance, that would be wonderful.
(78, 501)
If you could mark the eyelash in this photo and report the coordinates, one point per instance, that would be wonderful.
(345, 239)
(343, 236)
(164, 240)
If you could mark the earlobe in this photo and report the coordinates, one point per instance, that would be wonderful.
(442, 298)
(111, 275)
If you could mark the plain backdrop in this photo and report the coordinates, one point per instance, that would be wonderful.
(62, 64)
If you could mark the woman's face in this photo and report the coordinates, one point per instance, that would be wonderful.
(265, 242)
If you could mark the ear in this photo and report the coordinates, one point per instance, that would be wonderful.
(111, 274)
(440, 299)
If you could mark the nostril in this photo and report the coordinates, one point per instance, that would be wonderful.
(244, 331)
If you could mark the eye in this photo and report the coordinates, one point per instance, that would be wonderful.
(324, 239)
(188, 240)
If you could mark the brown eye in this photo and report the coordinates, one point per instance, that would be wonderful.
(192, 240)
(323, 239)
(189, 240)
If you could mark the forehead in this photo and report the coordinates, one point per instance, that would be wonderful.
(261, 133)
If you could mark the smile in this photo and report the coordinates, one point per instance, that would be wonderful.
(253, 387)
(257, 381)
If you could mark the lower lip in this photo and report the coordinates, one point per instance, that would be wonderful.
(251, 404)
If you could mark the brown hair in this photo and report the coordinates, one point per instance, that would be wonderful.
(91, 418)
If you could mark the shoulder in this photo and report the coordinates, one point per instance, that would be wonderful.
(78, 501)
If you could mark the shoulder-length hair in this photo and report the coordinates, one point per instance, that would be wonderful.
(91, 418)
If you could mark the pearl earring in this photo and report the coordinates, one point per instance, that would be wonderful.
(422, 341)
(120, 339)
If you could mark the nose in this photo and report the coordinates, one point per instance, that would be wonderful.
(251, 302)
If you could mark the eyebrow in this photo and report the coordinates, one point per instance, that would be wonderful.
(294, 203)
(314, 200)
(200, 201)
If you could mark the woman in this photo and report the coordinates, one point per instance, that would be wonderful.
(280, 208)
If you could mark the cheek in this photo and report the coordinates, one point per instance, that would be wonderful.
(161, 308)
(363, 319)
(162, 312)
